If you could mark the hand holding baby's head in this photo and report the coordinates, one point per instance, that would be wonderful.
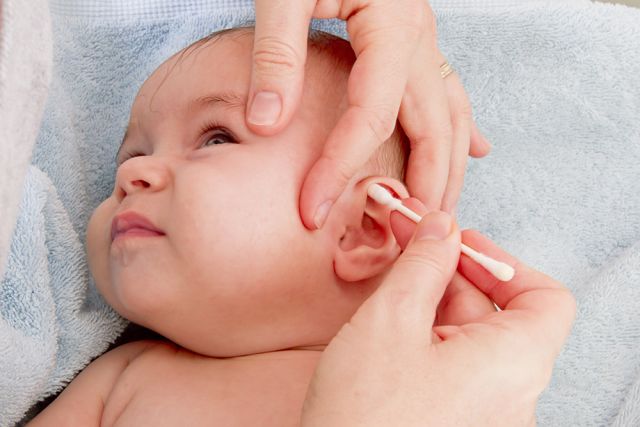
(232, 270)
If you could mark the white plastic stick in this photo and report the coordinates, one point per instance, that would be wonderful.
(503, 272)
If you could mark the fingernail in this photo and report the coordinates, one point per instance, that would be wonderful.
(265, 109)
(321, 214)
(437, 227)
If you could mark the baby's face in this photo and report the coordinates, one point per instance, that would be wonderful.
(234, 271)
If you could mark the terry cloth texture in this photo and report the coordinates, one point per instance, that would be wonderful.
(25, 72)
(554, 86)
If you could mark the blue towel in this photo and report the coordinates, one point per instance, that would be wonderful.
(554, 86)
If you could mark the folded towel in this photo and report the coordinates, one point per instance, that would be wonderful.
(555, 87)
(25, 72)
(52, 321)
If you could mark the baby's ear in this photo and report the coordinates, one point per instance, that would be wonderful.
(367, 246)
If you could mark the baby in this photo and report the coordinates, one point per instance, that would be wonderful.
(201, 241)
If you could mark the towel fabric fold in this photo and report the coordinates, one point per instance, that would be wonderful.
(554, 86)
(25, 72)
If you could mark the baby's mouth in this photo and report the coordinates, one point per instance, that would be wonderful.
(132, 224)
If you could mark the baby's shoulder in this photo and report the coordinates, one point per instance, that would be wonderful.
(179, 384)
(81, 403)
(128, 358)
(142, 359)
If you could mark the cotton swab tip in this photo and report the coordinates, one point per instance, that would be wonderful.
(500, 270)
(504, 272)
(380, 194)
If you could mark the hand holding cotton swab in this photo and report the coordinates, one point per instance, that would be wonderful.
(500, 270)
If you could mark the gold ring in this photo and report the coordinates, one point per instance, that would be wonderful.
(445, 69)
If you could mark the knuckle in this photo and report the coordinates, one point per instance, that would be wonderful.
(429, 22)
(423, 262)
(433, 158)
(456, 175)
(400, 295)
(433, 136)
(415, 18)
(381, 122)
(446, 133)
(343, 170)
(464, 110)
(565, 301)
(274, 56)
(409, 19)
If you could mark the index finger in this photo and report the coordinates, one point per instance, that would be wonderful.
(279, 55)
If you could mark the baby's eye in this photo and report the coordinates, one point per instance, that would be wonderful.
(218, 137)
(128, 155)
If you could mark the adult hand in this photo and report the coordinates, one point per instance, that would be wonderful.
(393, 365)
(396, 76)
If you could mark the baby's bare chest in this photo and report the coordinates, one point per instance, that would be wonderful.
(165, 388)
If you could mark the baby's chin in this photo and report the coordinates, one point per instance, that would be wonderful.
(223, 341)
(224, 325)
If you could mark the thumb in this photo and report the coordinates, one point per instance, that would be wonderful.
(415, 285)
(401, 226)
(279, 54)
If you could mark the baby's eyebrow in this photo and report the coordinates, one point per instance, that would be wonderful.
(231, 100)
(228, 99)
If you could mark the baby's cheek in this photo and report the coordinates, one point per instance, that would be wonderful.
(98, 244)
(98, 236)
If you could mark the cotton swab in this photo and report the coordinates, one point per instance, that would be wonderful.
(500, 270)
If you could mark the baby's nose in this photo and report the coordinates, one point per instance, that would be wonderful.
(141, 175)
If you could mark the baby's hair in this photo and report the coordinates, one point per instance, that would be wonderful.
(391, 157)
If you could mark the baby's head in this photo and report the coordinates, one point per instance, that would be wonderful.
(236, 272)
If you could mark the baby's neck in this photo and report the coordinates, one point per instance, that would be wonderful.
(314, 351)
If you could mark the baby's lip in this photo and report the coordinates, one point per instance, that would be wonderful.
(134, 224)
